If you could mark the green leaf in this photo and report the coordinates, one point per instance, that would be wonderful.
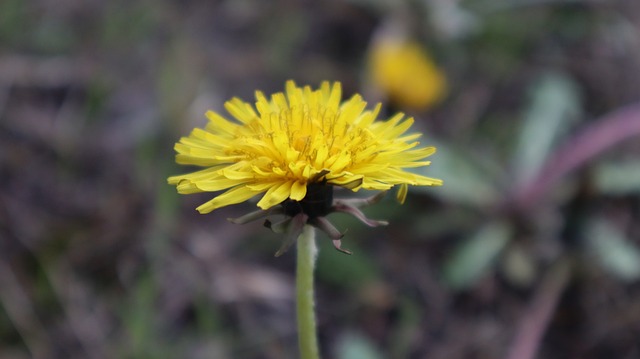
(357, 346)
(618, 178)
(554, 105)
(474, 256)
(613, 250)
(466, 179)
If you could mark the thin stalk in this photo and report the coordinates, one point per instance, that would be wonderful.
(540, 313)
(307, 338)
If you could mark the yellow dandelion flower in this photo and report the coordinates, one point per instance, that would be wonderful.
(287, 145)
(403, 70)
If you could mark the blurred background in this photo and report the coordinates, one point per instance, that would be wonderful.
(530, 249)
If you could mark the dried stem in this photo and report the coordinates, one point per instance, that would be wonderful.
(537, 318)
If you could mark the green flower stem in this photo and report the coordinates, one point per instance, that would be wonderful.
(307, 338)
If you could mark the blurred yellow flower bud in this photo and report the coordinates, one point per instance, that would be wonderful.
(405, 73)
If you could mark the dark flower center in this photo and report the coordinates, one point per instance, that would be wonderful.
(317, 202)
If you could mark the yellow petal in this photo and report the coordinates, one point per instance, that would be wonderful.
(401, 196)
(215, 185)
(298, 191)
(232, 196)
(275, 195)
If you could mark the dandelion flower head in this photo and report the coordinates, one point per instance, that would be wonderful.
(404, 70)
(297, 139)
